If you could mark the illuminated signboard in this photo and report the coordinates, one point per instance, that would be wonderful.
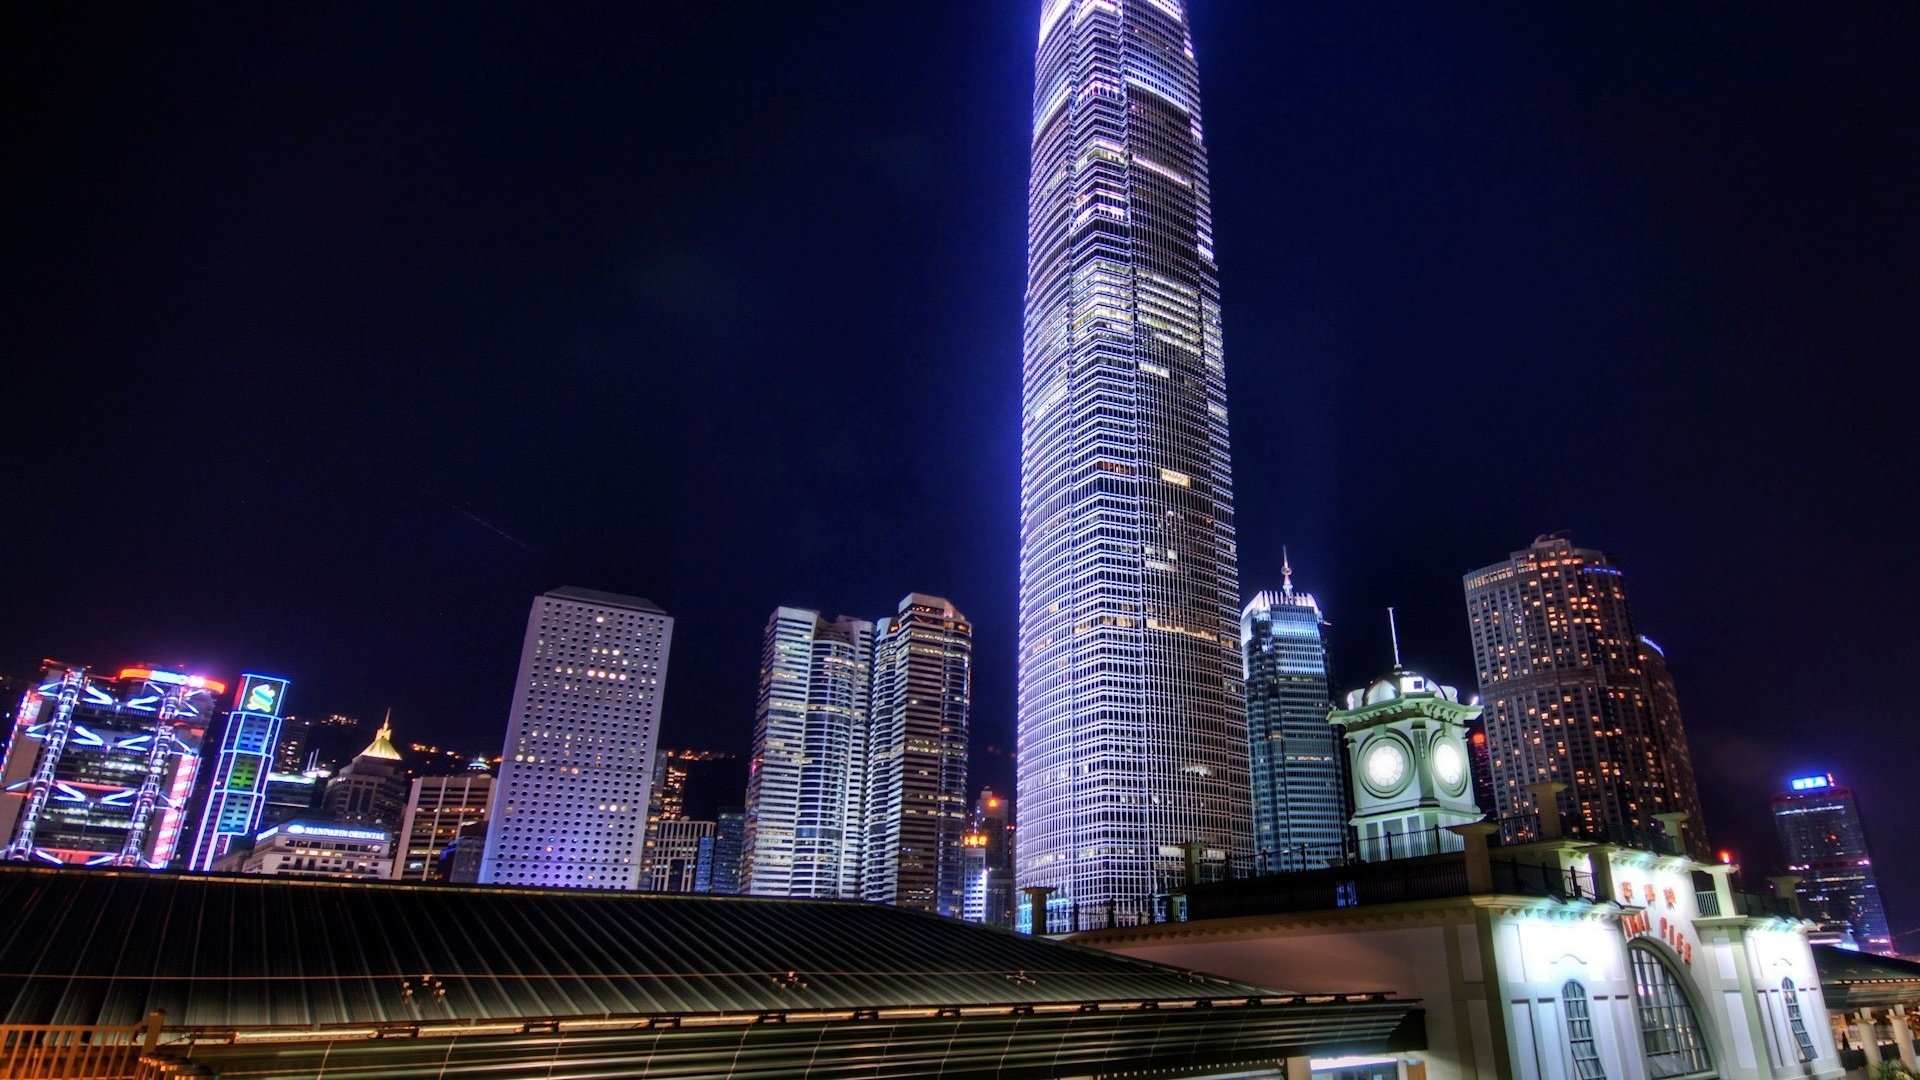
(260, 694)
(174, 678)
(331, 832)
(1811, 783)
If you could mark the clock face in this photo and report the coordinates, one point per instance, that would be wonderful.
(1386, 766)
(1449, 764)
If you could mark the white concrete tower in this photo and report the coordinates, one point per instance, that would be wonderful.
(570, 807)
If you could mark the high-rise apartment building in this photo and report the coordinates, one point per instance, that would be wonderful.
(232, 796)
(916, 757)
(570, 806)
(1300, 804)
(805, 780)
(437, 808)
(1574, 694)
(1132, 726)
(99, 770)
(857, 785)
(1825, 843)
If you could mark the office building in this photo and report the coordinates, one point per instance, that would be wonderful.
(290, 751)
(292, 795)
(857, 784)
(804, 785)
(317, 848)
(99, 770)
(570, 806)
(718, 870)
(372, 788)
(1825, 844)
(1132, 751)
(916, 757)
(1294, 759)
(438, 807)
(232, 796)
(1574, 694)
(673, 859)
(989, 861)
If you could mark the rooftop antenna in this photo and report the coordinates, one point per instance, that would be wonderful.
(1394, 630)
(1286, 571)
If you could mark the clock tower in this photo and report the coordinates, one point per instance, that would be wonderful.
(1407, 752)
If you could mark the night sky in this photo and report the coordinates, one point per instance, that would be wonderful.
(336, 332)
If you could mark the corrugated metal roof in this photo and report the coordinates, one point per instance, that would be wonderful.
(1850, 979)
(107, 947)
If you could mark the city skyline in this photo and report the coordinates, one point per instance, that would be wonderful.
(1580, 248)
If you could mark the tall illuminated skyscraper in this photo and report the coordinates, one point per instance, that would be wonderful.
(915, 813)
(1573, 694)
(804, 783)
(1826, 845)
(1132, 726)
(570, 807)
(233, 797)
(1299, 793)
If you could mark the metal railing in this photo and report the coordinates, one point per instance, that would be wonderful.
(74, 1051)
(1751, 905)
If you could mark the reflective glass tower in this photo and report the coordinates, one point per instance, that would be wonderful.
(1299, 801)
(1826, 844)
(1132, 726)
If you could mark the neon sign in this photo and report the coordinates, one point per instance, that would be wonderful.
(260, 694)
(1811, 783)
(330, 832)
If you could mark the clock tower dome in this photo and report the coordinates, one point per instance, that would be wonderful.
(1407, 754)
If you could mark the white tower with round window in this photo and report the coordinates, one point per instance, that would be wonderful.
(1406, 740)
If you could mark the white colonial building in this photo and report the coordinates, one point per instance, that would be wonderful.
(1578, 958)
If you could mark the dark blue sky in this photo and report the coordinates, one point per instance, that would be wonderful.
(336, 332)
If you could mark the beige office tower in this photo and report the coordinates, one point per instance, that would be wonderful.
(1573, 694)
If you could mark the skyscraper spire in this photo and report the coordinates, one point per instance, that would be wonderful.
(1393, 629)
(1132, 716)
(1286, 573)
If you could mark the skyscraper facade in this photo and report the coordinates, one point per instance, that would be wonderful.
(1132, 725)
(857, 783)
(718, 870)
(916, 758)
(438, 807)
(233, 796)
(570, 804)
(99, 770)
(989, 851)
(1825, 843)
(1294, 755)
(1574, 694)
(805, 782)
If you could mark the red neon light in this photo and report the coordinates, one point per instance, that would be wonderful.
(174, 678)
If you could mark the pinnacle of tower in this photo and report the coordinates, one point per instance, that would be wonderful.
(382, 745)
(1286, 572)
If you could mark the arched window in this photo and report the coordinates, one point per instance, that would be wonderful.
(1669, 1032)
(1796, 1021)
(1586, 1057)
